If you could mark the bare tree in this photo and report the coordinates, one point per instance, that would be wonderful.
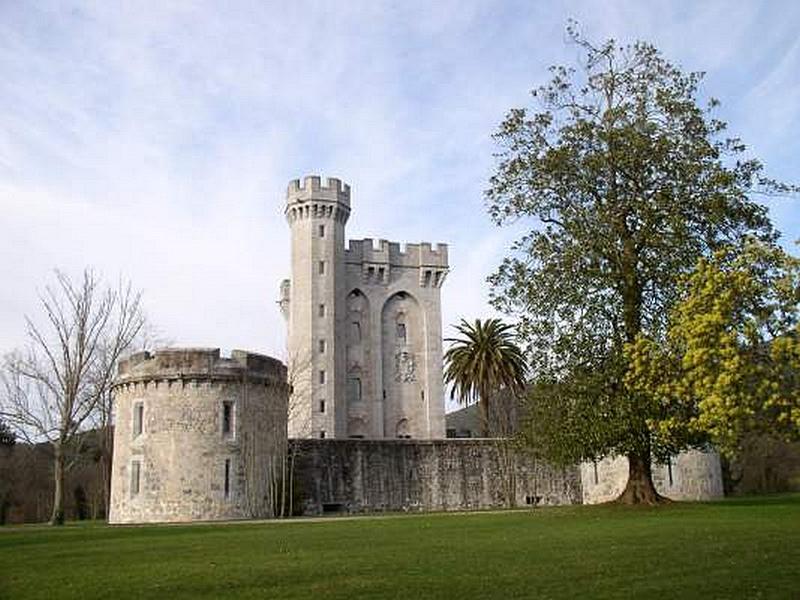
(52, 389)
(298, 364)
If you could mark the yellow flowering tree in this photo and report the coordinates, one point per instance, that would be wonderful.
(731, 362)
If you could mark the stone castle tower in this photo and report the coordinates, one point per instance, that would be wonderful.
(365, 331)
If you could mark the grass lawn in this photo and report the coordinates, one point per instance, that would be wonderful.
(739, 548)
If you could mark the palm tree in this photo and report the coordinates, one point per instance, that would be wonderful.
(483, 361)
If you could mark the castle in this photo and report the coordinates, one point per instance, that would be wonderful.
(364, 325)
(199, 436)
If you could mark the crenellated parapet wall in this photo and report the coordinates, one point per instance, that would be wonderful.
(199, 364)
(377, 261)
(311, 199)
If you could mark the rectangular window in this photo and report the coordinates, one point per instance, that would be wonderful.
(322, 434)
(355, 390)
(401, 332)
(322, 406)
(322, 377)
(227, 418)
(138, 418)
(136, 470)
(322, 267)
(321, 310)
(227, 485)
(322, 231)
(322, 346)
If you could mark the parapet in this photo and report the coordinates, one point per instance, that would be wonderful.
(391, 253)
(200, 364)
(312, 188)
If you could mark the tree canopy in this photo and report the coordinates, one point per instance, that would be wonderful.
(732, 352)
(7, 436)
(629, 181)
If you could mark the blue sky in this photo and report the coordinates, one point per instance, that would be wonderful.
(155, 140)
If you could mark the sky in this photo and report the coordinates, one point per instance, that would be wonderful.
(153, 141)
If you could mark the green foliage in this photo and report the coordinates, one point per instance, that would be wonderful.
(732, 354)
(7, 437)
(483, 361)
(629, 181)
(733, 549)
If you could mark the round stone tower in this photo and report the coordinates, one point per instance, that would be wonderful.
(197, 436)
(317, 215)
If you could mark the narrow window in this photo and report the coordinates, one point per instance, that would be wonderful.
(401, 332)
(422, 395)
(321, 310)
(355, 389)
(322, 377)
(136, 469)
(322, 406)
(322, 231)
(138, 417)
(322, 434)
(227, 418)
(322, 346)
(227, 478)
(322, 267)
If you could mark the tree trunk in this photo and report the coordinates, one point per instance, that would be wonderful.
(107, 461)
(483, 415)
(640, 488)
(57, 518)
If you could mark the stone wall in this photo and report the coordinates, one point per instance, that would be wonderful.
(692, 475)
(413, 475)
(198, 437)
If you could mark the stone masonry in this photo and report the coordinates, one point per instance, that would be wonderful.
(691, 475)
(357, 476)
(198, 437)
(364, 323)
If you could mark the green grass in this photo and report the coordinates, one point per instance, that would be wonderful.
(742, 548)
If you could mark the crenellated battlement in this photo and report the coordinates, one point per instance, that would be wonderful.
(393, 254)
(199, 364)
(313, 200)
(312, 188)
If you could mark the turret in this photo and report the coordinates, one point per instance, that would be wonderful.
(317, 214)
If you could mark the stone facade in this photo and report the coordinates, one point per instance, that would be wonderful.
(197, 437)
(365, 332)
(414, 475)
(691, 475)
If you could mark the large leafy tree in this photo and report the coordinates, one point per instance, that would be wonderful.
(481, 362)
(628, 181)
